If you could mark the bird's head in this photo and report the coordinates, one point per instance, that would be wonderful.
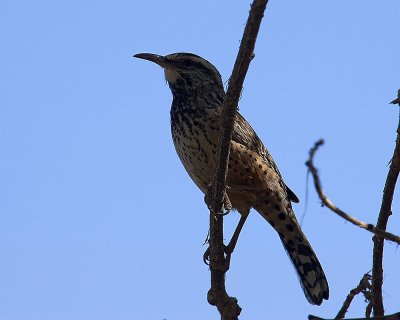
(186, 72)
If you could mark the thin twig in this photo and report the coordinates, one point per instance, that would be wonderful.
(317, 183)
(394, 316)
(397, 100)
(368, 310)
(228, 306)
(384, 214)
(362, 286)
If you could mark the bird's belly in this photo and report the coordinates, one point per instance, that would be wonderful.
(197, 154)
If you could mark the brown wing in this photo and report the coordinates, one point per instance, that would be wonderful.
(244, 134)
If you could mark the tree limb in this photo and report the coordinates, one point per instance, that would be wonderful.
(228, 306)
(362, 287)
(395, 316)
(384, 214)
(317, 183)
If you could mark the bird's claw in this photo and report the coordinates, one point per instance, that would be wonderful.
(206, 256)
(227, 205)
(228, 250)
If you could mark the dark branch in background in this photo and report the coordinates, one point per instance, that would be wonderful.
(363, 286)
(395, 316)
(397, 100)
(317, 183)
(374, 295)
(228, 306)
(384, 214)
(368, 310)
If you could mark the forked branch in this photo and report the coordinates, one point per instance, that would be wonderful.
(363, 286)
(376, 298)
(394, 316)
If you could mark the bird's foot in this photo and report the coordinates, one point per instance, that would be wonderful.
(206, 256)
(226, 206)
(228, 250)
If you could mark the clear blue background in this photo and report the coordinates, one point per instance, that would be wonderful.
(98, 219)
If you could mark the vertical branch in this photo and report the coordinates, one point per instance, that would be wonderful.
(384, 214)
(227, 306)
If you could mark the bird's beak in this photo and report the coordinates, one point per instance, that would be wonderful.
(160, 60)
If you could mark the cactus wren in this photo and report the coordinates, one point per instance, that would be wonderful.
(253, 179)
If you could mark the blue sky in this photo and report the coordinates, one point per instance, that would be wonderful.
(99, 220)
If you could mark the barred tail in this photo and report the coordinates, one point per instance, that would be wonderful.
(281, 217)
(309, 270)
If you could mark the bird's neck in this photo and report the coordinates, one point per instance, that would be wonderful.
(206, 96)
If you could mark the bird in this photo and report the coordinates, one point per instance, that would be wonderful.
(253, 178)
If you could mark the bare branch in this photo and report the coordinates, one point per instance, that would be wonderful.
(228, 306)
(384, 214)
(395, 316)
(397, 100)
(362, 286)
(368, 310)
(317, 183)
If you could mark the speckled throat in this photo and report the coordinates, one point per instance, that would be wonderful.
(195, 120)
